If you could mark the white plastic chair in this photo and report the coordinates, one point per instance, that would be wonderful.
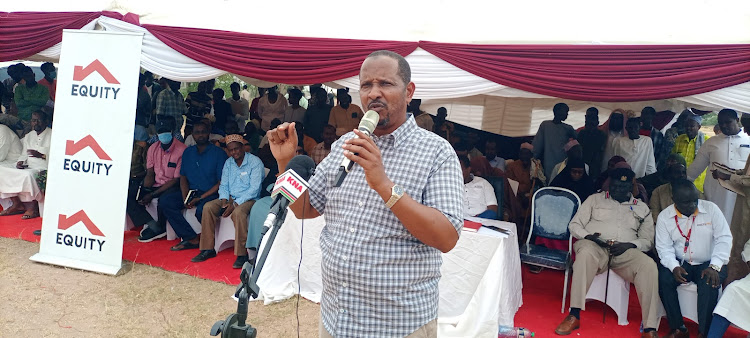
(687, 295)
(618, 296)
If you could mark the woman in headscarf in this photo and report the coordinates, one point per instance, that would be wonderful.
(575, 179)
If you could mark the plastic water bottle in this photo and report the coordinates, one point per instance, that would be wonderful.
(513, 332)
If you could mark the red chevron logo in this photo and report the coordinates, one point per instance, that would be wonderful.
(81, 73)
(72, 148)
(63, 222)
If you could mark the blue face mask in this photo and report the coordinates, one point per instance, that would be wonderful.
(165, 138)
(53, 75)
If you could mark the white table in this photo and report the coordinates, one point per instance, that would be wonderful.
(480, 286)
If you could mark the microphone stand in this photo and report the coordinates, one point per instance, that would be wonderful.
(235, 325)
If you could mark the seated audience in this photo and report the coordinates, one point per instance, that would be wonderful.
(490, 152)
(480, 200)
(572, 150)
(693, 241)
(10, 147)
(49, 79)
(29, 95)
(19, 183)
(190, 140)
(163, 163)
(306, 142)
(472, 140)
(661, 177)
(638, 151)
(294, 111)
(345, 116)
(252, 136)
(322, 149)
(734, 305)
(240, 186)
(482, 168)
(526, 170)
(614, 223)
(662, 196)
(690, 142)
(200, 172)
(264, 141)
(575, 179)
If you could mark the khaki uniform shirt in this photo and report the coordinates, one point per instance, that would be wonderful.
(629, 221)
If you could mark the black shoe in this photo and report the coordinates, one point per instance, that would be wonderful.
(149, 235)
(204, 255)
(184, 245)
(239, 262)
(37, 232)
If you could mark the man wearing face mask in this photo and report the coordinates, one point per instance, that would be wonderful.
(614, 223)
(29, 95)
(693, 241)
(49, 81)
(163, 164)
(730, 149)
(345, 116)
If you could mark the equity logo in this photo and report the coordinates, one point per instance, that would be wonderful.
(92, 167)
(72, 147)
(81, 73)
(64, 223)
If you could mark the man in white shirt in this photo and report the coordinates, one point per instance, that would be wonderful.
(693, 241)
(245, 94)
(638, 151)
(10, 147)
(479, 197)
(240, 106)
(731, 149)
(19, 184)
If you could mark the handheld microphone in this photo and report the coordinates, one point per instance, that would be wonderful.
(367, 125)
(291, 184)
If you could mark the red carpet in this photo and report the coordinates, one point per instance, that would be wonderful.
(542, 293)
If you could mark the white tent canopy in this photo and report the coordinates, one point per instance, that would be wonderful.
(471, 100)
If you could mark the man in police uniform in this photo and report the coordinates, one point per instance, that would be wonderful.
(614, 223)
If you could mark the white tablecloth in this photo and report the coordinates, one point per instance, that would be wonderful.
(480, 286)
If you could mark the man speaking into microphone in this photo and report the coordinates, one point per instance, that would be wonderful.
(396, 210)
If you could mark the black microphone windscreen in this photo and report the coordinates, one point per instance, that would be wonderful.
(303, 165)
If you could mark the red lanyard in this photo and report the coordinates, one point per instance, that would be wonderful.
(690, 231)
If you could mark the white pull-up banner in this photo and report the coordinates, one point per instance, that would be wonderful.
(92, 143)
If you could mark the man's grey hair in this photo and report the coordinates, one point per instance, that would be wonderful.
(404, 70)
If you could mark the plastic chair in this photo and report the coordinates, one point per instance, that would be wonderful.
(618, 296)
(552, 208)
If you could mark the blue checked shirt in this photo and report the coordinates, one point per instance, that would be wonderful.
(242, 183)
(378, 279)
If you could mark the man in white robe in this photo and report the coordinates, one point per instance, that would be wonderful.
(730, 149)
(734, 305)
(19, 183)
(10, 147)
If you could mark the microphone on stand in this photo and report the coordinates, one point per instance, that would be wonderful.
(367, 125)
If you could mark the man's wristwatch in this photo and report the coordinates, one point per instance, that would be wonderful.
(396, 193)
(715, 267)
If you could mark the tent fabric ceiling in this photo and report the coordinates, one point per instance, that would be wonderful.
(488, 106)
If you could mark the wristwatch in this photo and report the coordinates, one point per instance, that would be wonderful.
(396, 193)
(715, 267)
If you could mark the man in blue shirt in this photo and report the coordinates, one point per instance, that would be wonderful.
(240, 186)
(201, 171)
